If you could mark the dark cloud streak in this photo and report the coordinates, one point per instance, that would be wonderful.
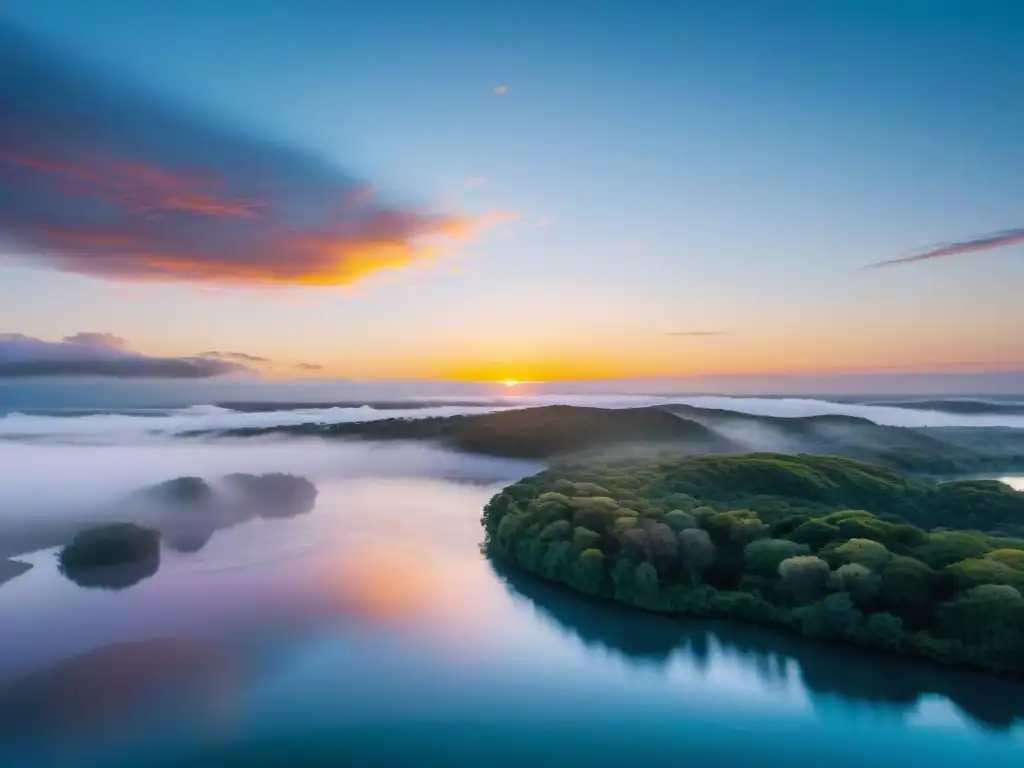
(1002, 239)
(239, 356)
(100, 354)
(127, 368)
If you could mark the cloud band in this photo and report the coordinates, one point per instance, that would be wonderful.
(101, 179)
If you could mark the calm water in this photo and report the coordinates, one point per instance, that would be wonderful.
(372, 632)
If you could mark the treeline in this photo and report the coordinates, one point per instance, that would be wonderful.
(830, 547)
(558, 432)
(528, 433)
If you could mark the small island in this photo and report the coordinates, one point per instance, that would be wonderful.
(829, 547)
(114, 556)
(182, 515)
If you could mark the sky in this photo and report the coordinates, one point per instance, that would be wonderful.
(527, 191)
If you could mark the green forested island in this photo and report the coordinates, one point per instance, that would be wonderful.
(830, 547)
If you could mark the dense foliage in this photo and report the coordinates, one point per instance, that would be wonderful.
(831, 547)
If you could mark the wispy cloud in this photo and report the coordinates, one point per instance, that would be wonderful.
(100, 179)
(256, 361)
(501, 90)
(243, 357)
(987, 242)
(100, 354)
(698, 333)
(473, 181)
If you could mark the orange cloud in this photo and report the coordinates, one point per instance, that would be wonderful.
(360, 243)
(99, 178)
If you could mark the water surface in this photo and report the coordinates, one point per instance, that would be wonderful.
(371, 631)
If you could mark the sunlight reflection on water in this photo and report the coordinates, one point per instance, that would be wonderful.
(376, 614)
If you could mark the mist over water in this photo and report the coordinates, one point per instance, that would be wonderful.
(106, 426)
(51, 482)
(371, 629)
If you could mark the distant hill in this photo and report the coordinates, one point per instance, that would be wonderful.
(906, 449)
(563, 431)
(531, 433)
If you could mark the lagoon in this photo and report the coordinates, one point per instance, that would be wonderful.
(372, 631)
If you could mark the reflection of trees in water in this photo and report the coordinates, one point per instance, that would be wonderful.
(189, 513)
(120, 576)
(851, 674)
(193, 511)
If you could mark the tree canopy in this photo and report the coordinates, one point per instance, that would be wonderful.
(826, 546)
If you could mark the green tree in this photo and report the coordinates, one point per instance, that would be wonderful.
(990, 613)
(622, 523)
(591, 489)
(552, 506)
(978, 571)
(589, 572)
(584, 538)
(815, 534)
(678, 520)
(864, 552)
(696, 551)
(737, 526)
(634, 543)
(835, 616)
(558, 561)
(556, 531)
(646, 584)
(662, 545)
(860, 582)
(509, 528)
(804, 577)
(764, 555)
(596, 512)
(907, 586)
(1013, 558)
(884, 630)
(624, 579)
(947, 547)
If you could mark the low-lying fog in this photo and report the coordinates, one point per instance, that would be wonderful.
(47, 484)
(198, 418)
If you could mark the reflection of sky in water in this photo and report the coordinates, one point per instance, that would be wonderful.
(375, 619)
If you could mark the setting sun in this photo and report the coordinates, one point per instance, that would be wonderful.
(510, 382)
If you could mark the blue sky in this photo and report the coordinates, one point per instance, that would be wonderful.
(725, 166)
